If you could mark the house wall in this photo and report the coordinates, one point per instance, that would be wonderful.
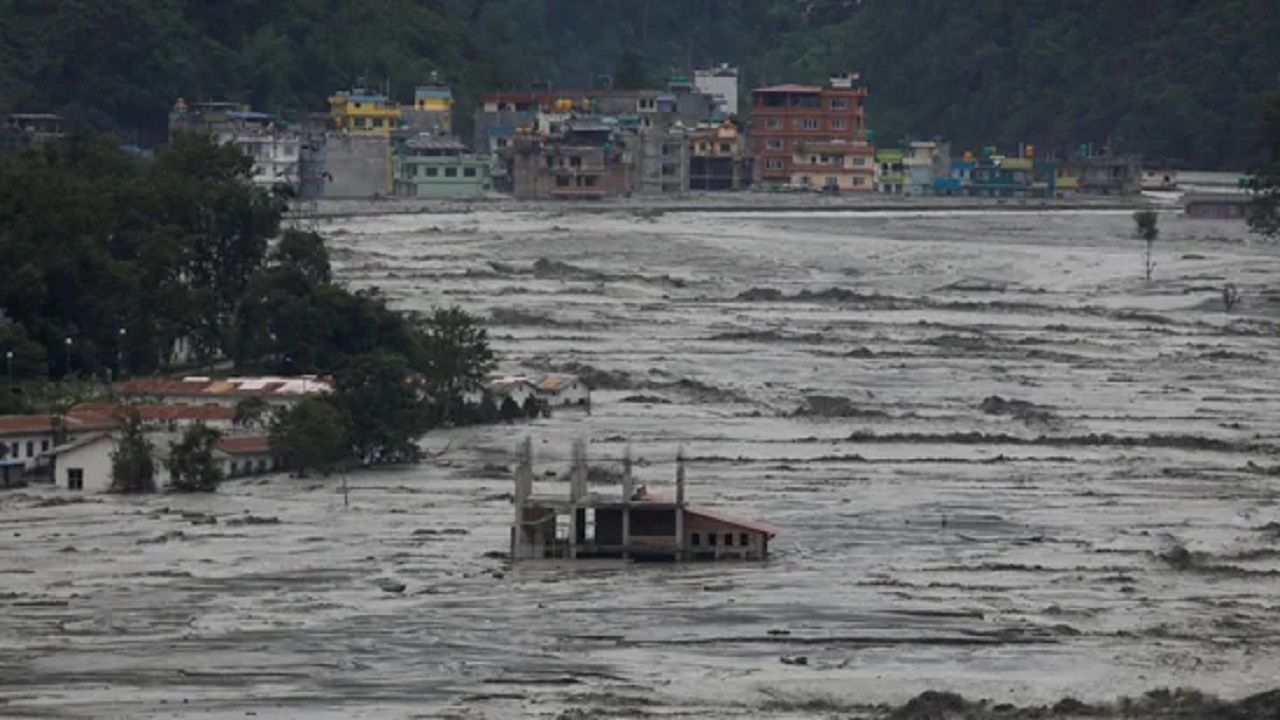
(575, 393)
(728, 539)
(92, 460)
(27, 447)
(429, 177)
(781, 119)
(242, 464)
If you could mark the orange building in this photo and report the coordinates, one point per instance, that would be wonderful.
(784, 116)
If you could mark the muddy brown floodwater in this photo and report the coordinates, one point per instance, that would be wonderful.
(1002, 464)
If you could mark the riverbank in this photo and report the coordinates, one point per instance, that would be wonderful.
(719, 203)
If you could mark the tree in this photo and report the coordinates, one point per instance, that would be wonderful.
(384, 409)
(133, 469)
(510, 410)
(533, 407)
(1148, 230)
(192, 466)
(458, 358)
(629, 71)
(252, 412)
(1265, 176)
(310, 436)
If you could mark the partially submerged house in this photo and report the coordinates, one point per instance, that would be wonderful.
(634, 524)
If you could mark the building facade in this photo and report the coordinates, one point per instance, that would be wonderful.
(834, 166)
(438, 167)
(721, 84)
(891, 175)
(84, 465)
(924, 162)
(718, 157)
(575, 159)
(784, 115)
(274, 146)
(363, 112)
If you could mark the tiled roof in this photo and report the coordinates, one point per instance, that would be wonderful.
(157, 412)
(41, 424)
(245, 444)
(79, 443)
(234, 386)
(713, 515)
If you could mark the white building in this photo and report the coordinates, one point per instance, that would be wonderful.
(562, 390)
(245, 455)
(721, 83)
(29, 438)
(276, 152)
(84, 465)
(517, 387)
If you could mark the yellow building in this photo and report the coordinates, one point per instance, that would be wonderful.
(432, 109)
(364, 112)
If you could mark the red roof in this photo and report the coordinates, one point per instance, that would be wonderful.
(157, 412)
(789, 88)
(245, 445)
(25, 424)
(713, 515)
(41, 424)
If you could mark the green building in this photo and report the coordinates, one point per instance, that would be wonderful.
(438, 167)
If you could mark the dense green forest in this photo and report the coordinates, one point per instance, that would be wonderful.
(1173, 79)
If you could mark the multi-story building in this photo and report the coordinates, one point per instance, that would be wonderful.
(432, 109)
(718, 157)
(575, 158)
(274, 147)
(834, 165)
(784, 115)
(721, 83)
(438, 167)
(922, 163)
(891, 176)
(364, 112)
(27, 130)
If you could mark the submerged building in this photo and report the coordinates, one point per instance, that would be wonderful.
(274, 146)
(633, 524)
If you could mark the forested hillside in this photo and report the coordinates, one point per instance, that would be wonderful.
(1173, 79)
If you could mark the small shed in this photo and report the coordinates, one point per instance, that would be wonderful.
(563, 390)
(84, 464)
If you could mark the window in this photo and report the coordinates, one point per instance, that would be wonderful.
(859, 162)
(858, 181)
(695, 539)
(44, 446)
(743, 539)
(75, 479)
(575, 161)
(775, 144)
(773, 123)
(728, 539)
(839, 103)
(562, 181)
(704, 147)
(377, 122)
(711, 539)
(502, 142)
(469, 172)
(358, 122)
(726, 148)
(773, 163)
(838, 124)
(433, 172)
(31, 448)
(13, 450)
(451, 172)
(810, 123)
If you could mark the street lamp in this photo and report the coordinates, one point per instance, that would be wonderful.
(8, 360)
(120, 353)
(68, 344)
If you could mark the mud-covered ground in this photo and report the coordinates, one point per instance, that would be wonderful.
(1002, 464)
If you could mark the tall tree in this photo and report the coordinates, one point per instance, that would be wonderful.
(192, 464)
(133, 467)
(310, 436)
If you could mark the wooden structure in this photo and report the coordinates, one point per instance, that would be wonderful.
(634, 524)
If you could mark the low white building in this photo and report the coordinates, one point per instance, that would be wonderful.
(29, 438)
(563, 390)
(246, 455)
(516, 387)
(84, 465)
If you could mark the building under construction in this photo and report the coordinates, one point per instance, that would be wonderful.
(633, 524)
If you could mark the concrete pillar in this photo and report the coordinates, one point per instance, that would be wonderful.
(680, 535)
(523, 489)
(628, 489)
